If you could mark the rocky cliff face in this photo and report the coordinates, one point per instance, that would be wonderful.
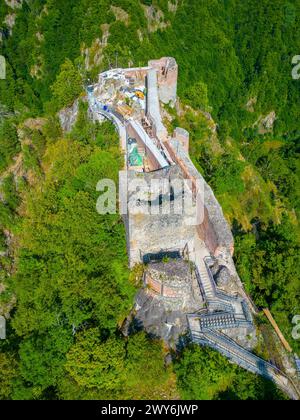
(14, 4)
(10, 18)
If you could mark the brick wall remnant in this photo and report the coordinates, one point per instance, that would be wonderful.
(170, 293)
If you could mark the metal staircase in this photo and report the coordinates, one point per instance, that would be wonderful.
(219, 320)
(208, 285)
(243, 358)
(225, 312)
(218, 301)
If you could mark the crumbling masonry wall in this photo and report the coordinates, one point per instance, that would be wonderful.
(214, 231)
(167, 70)
(162, 229)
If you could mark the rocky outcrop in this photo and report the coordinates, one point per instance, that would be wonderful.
(155, 18)
(9, 21)
(120, 14)
(68, 116)
(269, 120)
(266, 124)
(223, 277)
(250, 105)
(173, 6)
(14, 4)
(183, 136)
(93, 55)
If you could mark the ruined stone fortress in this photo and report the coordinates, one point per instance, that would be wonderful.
(191, 286)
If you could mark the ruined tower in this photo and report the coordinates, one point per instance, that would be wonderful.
(167, 71)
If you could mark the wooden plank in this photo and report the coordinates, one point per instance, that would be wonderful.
(277, 330)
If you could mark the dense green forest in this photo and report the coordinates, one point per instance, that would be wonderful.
(66, 303)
